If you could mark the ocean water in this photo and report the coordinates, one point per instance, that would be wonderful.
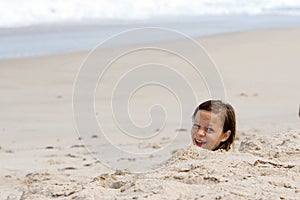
(43, 27)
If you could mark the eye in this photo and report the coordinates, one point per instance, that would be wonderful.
(196, 126)
(210, 129)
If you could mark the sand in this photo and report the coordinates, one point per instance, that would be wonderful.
(43, 157)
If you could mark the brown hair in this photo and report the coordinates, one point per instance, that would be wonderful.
(227, 113)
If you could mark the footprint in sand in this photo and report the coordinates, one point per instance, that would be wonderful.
(94, 136)
(9, 151)
(69, 168)
(71, 155)
(181, 130)
(242, 94)
(77, 146)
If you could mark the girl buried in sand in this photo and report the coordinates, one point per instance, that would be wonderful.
(213, 125)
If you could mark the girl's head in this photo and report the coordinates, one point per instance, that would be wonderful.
(214, 125)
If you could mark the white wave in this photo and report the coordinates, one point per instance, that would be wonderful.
(16, 13)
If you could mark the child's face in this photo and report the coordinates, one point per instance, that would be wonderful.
(207, 130)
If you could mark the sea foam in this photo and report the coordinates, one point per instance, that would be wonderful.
(18, 13)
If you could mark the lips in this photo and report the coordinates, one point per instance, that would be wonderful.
(199, 143)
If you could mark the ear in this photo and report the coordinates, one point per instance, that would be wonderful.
(225, 136)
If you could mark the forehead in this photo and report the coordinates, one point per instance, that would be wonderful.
(208, 117)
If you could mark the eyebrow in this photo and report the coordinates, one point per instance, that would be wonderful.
(209, 125)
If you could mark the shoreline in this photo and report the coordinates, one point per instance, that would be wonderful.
(198, 39)
(67, 38)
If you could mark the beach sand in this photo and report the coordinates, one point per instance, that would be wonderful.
(43, 157)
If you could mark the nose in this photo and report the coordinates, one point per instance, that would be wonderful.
(201, 132)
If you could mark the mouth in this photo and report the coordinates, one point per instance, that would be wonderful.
(199, 143)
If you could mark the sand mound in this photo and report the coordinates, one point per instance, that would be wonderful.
(261, 167)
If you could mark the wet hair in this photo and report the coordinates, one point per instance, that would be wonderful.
(227, 114)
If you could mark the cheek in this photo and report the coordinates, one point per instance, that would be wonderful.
(192, 134)
(213, 139)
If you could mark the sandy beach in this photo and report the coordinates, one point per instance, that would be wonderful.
(43, 156)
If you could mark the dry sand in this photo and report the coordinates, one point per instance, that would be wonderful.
(43, 158)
